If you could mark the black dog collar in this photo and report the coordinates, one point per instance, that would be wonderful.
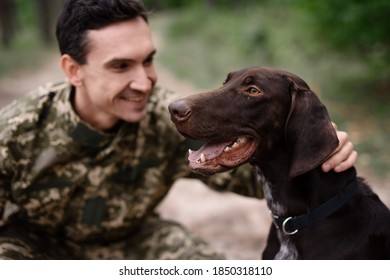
(292, 225)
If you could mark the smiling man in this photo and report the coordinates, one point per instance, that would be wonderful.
(118, 78)
(84, 163)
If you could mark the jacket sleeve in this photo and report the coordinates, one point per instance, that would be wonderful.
(4, 189)
(6, 167)
(16, 122)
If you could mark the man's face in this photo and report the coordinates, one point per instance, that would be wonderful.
(119, 74)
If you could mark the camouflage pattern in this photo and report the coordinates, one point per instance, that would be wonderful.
(63, 180)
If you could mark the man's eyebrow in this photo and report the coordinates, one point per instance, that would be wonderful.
(153, 53)
(127, 60)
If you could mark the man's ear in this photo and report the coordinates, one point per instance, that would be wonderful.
(72, 70)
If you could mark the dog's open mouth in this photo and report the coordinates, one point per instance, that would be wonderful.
(213, 158)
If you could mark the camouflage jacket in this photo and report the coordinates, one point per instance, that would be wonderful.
(64, 176)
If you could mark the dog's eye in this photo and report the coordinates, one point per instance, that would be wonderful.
(253, 91)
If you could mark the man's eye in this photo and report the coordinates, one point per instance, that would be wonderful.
(121, 66)
(149, 61)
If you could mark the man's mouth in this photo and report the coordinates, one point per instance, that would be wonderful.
(140, 98)
(213, 158)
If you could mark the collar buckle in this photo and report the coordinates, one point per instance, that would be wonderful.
(281, 223)
(284, 227)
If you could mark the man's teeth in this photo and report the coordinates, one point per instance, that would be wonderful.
(134, 99)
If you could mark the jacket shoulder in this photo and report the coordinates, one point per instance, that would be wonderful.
(25, 113)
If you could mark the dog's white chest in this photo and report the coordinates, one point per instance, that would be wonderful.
(267, 190)
(287, 250)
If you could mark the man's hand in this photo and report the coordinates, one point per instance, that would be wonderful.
(343, 157)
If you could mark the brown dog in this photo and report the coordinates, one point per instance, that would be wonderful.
(271, 119)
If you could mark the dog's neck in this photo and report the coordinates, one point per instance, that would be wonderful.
(301, 194)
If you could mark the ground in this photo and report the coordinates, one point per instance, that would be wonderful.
(233, 224)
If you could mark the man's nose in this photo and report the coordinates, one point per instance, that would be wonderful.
(141, 80)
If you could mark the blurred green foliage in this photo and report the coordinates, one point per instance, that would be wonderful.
(359, 24)
(354, 25)
(27, 47)
(220, 4)
(26, 13)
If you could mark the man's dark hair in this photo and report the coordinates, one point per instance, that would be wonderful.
(79, 16)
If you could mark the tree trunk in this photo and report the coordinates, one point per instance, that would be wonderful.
(7, 21)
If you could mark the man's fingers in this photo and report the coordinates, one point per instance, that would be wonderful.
(343, 139)
(347, 163)
(334, 126)
(342, 159)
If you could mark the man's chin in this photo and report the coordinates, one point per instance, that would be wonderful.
(135, 117)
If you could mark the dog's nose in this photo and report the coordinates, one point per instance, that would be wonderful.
(179, 110)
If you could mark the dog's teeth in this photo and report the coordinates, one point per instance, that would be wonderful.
(227, 149)
(202, 158)
(189, 151)
(235, 144)
(241, 139)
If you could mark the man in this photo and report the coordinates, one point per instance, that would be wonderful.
(84, 163)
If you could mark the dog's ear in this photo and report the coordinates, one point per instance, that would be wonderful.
(309, 133)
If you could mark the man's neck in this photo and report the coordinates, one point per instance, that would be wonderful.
(98, 120)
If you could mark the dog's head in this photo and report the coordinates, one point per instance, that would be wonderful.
(256, 113)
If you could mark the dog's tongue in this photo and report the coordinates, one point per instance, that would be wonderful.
(209, 151)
